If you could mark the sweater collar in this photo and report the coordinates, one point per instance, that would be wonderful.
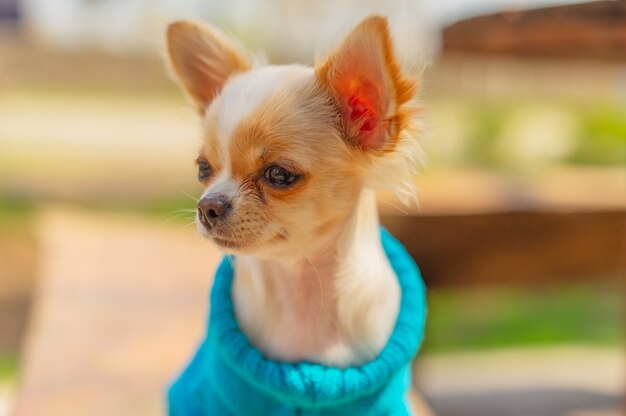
(309, 384)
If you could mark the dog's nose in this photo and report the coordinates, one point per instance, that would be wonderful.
(212, 208)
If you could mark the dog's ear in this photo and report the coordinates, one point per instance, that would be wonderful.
(203, 59)
(368, 85)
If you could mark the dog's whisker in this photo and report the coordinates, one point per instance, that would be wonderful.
(186, 226)
(180, 213)
(405, 212)
(177, 215)
(183, 192)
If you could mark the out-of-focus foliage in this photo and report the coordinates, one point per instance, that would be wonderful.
(509, 134)
(478, 318)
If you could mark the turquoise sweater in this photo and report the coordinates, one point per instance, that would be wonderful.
(228, 376)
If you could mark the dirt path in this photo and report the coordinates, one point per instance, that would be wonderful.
(119, 309)
(548, 381)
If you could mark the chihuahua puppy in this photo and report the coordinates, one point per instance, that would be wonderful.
(291, 159)
(290, 162)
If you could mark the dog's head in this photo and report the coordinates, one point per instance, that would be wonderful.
(288, 149)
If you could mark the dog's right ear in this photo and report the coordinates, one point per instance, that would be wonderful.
(203, 59)
(369, 86)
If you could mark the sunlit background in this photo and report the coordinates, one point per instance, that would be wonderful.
(520, 232)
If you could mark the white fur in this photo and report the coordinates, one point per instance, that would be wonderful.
(369, 288)
(245, 92)
(352, 297)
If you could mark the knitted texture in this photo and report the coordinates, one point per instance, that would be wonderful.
(228, 376)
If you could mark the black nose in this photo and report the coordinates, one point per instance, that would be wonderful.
(212, 208)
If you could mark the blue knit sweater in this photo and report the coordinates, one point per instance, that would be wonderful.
(228, 376)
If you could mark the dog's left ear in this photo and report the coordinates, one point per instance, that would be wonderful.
(368, 85)
(203, 59)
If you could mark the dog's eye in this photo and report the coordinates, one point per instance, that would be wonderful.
(204, 170)
(280, 177)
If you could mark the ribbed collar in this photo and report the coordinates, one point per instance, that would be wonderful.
(310, 385)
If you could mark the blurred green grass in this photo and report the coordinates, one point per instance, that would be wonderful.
(606, 128)
(497, 317)
(8, 366)
(16, 214)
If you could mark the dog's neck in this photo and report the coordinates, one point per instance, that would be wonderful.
(335, 304)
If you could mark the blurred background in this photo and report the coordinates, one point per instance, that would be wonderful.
(520, 232)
